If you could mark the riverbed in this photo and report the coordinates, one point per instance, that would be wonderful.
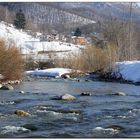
(50, 119)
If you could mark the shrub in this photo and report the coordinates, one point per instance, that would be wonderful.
(94, 58)
(91, 59)
(11, 63)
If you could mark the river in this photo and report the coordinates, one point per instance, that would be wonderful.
(96, 112)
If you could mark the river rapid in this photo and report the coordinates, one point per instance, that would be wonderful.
(50, 119)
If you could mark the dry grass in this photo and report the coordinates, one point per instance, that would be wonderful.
(91, 59)
(11, 63)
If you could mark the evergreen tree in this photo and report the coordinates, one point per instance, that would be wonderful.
(20, 20)
(77, 32)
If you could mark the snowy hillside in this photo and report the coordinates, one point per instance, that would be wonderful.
(33, 47)
(9, 33)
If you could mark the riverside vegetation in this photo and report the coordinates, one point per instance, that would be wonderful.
(11, 63)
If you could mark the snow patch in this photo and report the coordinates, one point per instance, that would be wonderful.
(52, 72)
(129, 70)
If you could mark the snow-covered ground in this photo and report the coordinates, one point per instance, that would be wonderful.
(32, 46)
(10, 34)
(54, 49)
(129, 70)
(52, 72)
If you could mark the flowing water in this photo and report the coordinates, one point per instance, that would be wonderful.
(96, 112)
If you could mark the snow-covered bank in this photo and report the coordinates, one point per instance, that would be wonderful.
(52, 72)
(128, 70)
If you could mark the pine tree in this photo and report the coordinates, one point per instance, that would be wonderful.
(20, 20)
(77, 32)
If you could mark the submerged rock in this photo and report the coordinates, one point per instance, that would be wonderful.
(68, 97)
(56, 98)
(7, 87)
(78, 80)
(21, 113)
(119, 94)
(69, 111)
(30, 127)
(22, 92)
(85, 94)
(116, 127)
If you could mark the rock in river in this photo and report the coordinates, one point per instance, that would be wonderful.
(64, 97)
(69, 111)
(30, 127)
(116, 127)
(22, 92)
(21, 113)
(7, 87)
(68, 97)
(85, 94)
(119, 94)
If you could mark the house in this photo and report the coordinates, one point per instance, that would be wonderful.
(78, 40)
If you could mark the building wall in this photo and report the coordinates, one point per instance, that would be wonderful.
(79, 40)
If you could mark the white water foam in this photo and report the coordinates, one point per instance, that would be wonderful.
(58, 115)
(105, 130)
(13, 129)
(120, 116)
(7, 102)
(133, 112)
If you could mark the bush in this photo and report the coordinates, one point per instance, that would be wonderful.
(95, 58)
(11, 63)
(91, 59)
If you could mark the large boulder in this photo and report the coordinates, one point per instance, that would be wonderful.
(68, 97)
(21, 113)
(7, 87)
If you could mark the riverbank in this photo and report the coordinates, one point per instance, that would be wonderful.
(123, 72)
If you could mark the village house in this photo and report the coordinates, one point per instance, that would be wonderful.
(79, 40)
